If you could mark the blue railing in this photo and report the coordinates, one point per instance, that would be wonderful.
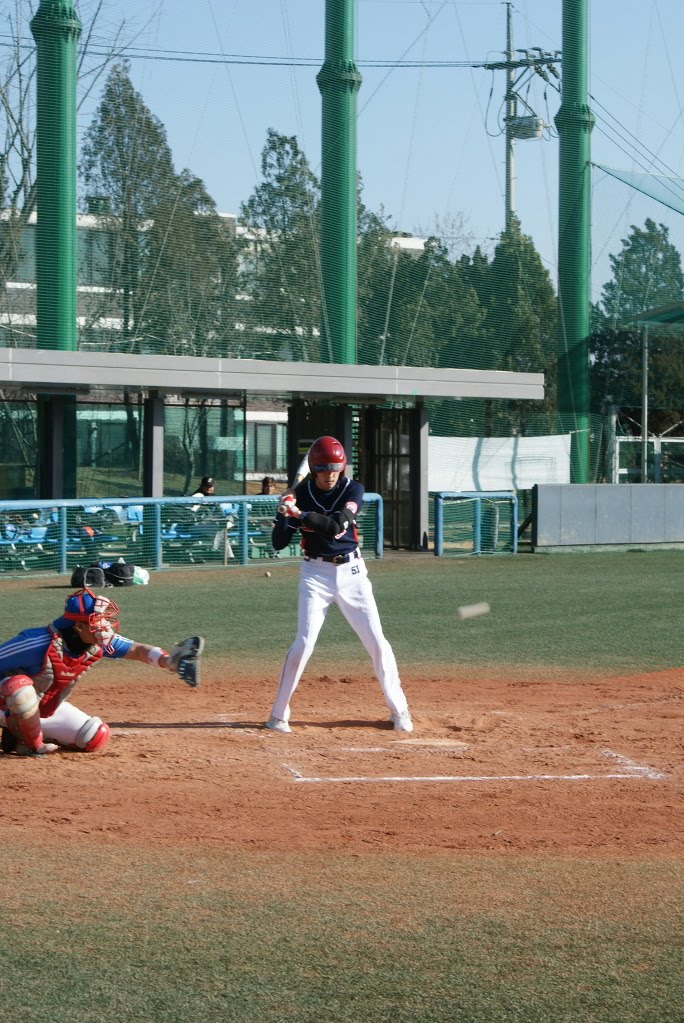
(478, 518)
(56, 535)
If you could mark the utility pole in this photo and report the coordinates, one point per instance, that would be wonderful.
(644, 403)
(528, 125)
(511, 110)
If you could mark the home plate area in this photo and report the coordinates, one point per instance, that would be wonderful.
(446, 761)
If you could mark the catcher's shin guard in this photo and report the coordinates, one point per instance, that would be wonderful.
(93, 735)
(22, 702)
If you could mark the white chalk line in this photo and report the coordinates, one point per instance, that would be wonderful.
(632, 771)
(638, 770)
(238, 730)
(459, 778)
(636, 705)
(441, 744)
(432, 743)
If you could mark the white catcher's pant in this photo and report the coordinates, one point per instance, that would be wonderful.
(321, 583)
(64, 725)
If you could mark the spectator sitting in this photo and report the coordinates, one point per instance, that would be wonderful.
(205, 489)
(220, 541)
(268, 485)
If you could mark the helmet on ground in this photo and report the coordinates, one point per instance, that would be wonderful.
(327, 455)
(95, 610)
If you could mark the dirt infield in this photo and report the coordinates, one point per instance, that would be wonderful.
(560, 764)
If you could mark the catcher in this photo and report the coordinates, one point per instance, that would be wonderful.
(40, 667)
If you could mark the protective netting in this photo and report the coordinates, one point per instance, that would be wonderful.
(165, 268)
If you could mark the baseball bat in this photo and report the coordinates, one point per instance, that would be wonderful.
(301, 474)
(302, 471)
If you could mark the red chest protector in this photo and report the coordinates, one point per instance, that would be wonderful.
(60, 672)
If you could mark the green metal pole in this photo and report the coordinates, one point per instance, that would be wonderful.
(56, 29)
(574, 122)
(339, 82)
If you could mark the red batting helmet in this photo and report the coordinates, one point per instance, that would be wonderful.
(327, 455)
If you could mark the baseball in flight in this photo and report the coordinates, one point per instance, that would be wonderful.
(473, 610)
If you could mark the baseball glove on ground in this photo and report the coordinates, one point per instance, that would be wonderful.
(185, 659)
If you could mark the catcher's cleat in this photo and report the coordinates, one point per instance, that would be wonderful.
(8, 741)
(184, 659)
(277, 725)
(45, 747)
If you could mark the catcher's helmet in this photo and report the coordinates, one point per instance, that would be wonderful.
(327, 455)
(95, 610)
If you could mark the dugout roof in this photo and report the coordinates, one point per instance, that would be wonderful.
(36, 370)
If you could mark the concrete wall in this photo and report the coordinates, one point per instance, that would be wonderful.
(607, 514)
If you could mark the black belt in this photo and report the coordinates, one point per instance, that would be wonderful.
(334, 559)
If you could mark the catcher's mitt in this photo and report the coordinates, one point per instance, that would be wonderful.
(185, 658)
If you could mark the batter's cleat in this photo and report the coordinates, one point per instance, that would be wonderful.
(277, 725)
(402, 722)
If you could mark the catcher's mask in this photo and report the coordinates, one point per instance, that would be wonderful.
(96, 611)
(327, 455)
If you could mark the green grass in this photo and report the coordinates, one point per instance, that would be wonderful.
(617, 612)
(129, 935)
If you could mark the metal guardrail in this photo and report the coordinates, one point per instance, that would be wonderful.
(56, 535)
(477, 498)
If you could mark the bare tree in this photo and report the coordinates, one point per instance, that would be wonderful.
(17, 114)
(453, 232)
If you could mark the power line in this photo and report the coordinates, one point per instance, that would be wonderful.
(636, 143)
(249, 59)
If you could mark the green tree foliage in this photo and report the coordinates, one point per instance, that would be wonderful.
(281, 275)
(173, 269)
(520, 304)
(647, 273)
(174, 259)
(188, 281)
(374, 274)
(617, 376)
(414, 308)
(126, 166)
(520, 325)
(443, 311)
(428, 309)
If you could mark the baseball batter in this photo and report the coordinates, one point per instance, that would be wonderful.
(325, 507)
(40, 667)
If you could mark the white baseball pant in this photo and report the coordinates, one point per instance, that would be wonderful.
(64, 725)
(348, 585)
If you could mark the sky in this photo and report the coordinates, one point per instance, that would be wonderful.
(430, 144)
